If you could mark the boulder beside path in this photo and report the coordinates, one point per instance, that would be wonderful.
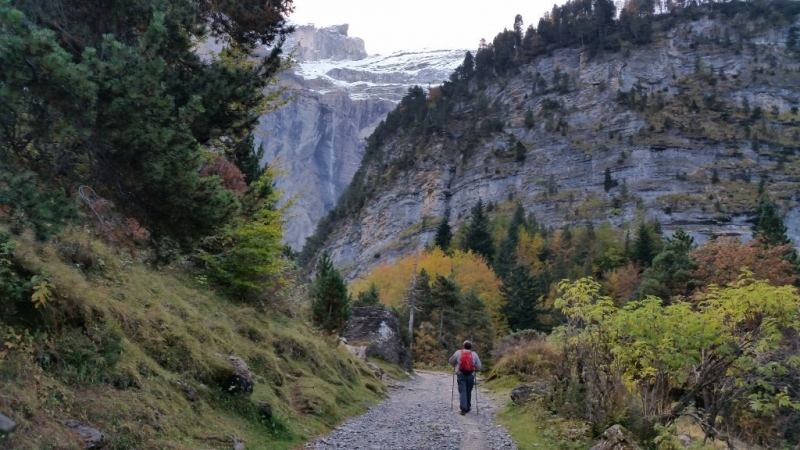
(378, 329)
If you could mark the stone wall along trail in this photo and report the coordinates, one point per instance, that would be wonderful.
(417, 415)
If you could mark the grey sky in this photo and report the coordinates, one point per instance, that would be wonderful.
(388, 25)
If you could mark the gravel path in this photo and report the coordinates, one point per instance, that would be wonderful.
(418, 416)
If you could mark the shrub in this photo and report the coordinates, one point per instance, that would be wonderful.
(84, 356)
(528, 355)
(244, 257)
(30, 205)
(731, 343)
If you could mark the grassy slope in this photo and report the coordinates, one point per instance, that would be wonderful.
(128, 336)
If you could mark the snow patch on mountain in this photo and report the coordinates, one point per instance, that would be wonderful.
(403, 69)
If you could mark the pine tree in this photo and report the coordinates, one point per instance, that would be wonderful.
(518, 24)
(768, 226)
(643, 246)
(507, 254)
(469, 65)
(476, 325)
(330, 307)
(444, 235)
(370, 297)
(445, 295)
(478, 239)
(608, 182)
(522, 293)
(421, 297)
(116, 93)
(671, 270)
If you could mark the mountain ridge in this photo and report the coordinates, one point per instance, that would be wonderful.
(588, 119)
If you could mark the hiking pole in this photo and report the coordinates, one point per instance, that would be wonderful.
(477, 411)
(452, 389)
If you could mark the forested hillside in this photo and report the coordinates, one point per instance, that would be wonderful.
(601, 203)
(678, 125)
(145, 299)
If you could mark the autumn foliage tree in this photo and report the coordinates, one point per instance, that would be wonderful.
(721, 260)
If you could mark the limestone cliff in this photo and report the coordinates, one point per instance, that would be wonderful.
(340, 94)
(687, 127)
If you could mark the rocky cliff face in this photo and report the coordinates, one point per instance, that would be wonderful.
(686, 127)
(340, 95)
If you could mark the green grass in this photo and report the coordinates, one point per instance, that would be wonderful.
(120, 341)
(532, 428)
(392, 370)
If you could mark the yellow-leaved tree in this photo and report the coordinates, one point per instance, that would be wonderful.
(469, 271)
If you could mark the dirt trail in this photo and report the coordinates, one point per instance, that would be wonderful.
(417, 415)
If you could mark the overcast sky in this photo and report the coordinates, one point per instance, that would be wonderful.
(390, 25)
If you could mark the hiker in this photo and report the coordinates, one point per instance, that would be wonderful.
(466, 363)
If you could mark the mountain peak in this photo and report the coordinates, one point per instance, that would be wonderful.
(315, 44)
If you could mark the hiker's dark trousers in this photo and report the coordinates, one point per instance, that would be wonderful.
(465, 383)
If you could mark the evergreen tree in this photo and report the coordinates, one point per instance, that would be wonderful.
(446, 298)
(330, 302)
(671, 269)
(507, 254)
(643, 246)
(518, 24)
(246, 255)
(768, 226)
(418, 300)
(469, 65)
(370, 297)
(116, 93)
(478, 239)
(475, 322)
(522, 294)
(530, 122)
(421, 297)
(444, 235)
(608, 182)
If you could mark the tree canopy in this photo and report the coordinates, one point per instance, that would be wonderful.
(126, 98)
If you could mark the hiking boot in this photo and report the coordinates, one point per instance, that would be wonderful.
(464, 411)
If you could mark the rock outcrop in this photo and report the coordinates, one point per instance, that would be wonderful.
(526, 392)
(339, 96)
(664, 168)
(616, 438)
(237, 378)
(315, 44)
(6, 424)
(379, 330)
(93, 438)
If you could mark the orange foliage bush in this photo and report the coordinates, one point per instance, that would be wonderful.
(720, 262)
(232, 177)
(117, 231)
(621, 283)
(426, 349)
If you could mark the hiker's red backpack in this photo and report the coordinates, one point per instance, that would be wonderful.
(466, 364)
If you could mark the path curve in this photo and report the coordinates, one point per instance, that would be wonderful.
(417, 416)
